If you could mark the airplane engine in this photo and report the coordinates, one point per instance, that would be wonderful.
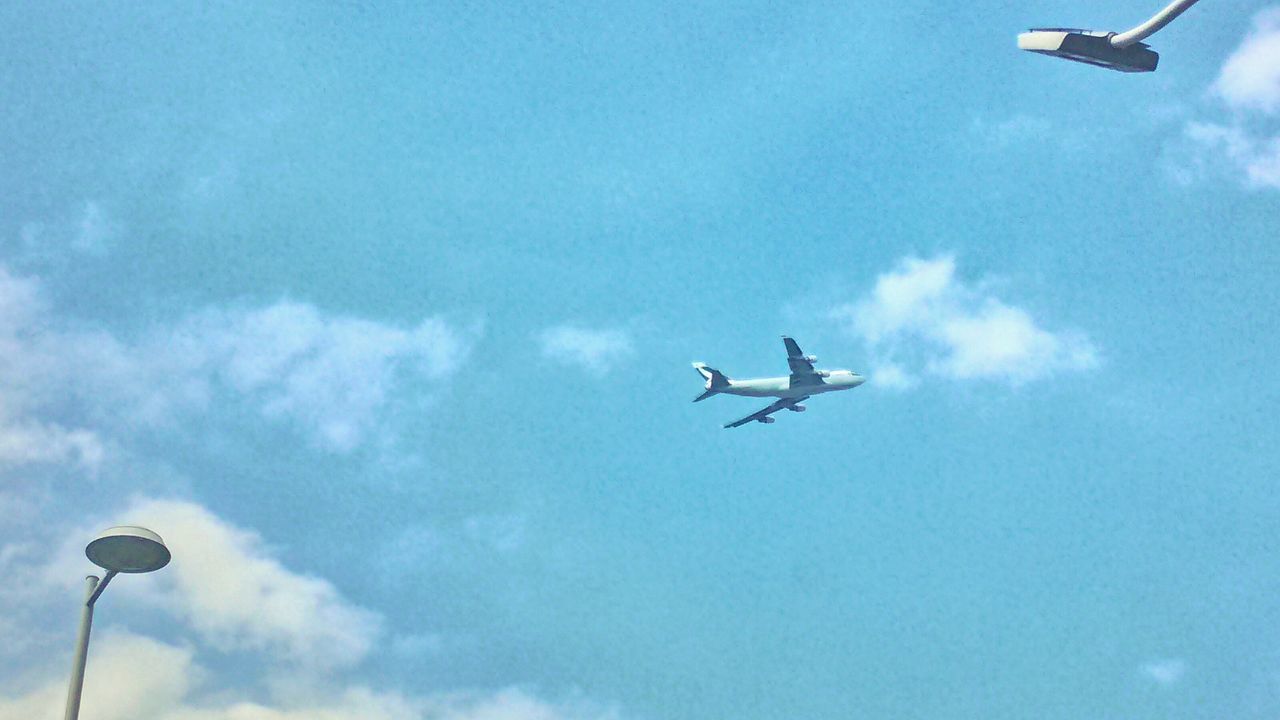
(767, 420)
(811, 358)
(797, 408)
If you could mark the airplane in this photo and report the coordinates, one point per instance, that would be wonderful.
(803, 383)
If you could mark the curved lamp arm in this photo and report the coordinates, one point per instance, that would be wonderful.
(1149, 28)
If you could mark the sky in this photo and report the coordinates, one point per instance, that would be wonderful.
(382, 318)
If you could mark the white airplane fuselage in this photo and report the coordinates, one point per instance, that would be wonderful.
(804, 382)
(781, 387)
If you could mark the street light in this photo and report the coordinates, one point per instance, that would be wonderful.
(1124, 51)
(124, 549)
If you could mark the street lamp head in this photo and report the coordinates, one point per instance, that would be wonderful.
(1089, 46)
(128, 549)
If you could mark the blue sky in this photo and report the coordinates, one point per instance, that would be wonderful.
(383, 319)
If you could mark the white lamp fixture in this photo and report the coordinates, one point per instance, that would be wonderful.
(1124, 52)
(128, 549)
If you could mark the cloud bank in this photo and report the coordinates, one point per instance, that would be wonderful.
(920, 319)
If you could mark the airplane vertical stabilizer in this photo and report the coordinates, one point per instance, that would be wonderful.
(716, 380)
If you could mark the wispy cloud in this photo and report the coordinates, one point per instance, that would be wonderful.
(30, 442)
(1015, 130)
(26, 437)
(330, 376)
(89, 230)
(502, 533)
(1166, 672)
(94, 230)
(921, 319)
(1234, 147)
(891, 376)
(596, 351)
(1248, 140)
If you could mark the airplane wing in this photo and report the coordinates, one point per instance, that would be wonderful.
(763, 415)
(802, 372)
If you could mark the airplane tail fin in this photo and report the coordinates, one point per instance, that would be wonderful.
(716, 381)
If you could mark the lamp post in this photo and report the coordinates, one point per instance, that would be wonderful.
(1124, 51)
(124, 549)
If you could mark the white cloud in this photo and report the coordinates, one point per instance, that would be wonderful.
(229, 589)
(1249, 141)
(920, 314)
(596, 351)
(513, 704)
(31, 442)
(996, 340)
(1231, 140)
(892, 376)
(21, 302)
(253, 630)
(229, 592)
(1165, 672)
(330, 376)
(355, 703)
(133, 677)
(128, 676)
(1257, 156)
(1250, 79)
(24, 439)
